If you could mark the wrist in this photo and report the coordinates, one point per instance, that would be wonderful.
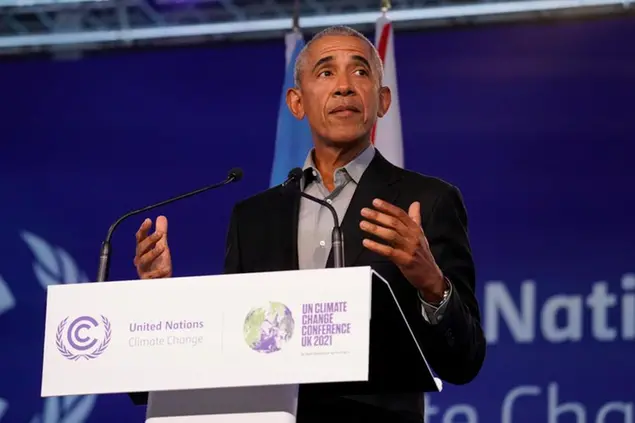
(435, 293)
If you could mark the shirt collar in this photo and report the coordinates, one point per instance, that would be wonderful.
(355, 168)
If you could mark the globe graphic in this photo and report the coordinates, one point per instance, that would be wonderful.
(268, 328)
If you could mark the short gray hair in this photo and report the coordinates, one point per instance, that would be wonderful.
(339, 30)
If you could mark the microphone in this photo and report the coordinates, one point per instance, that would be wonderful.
(294, 179)
(234, 175)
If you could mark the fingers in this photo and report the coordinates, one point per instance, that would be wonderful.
(388, 222)
(159, 237)
(385, 220)
(386, 234)
(391, 210)
(158, 273)
(162, 226)
(150, 248)
(145, 260)
(414, 211)
(400, 229)
(142, 233)
(149, 243)
(398, 256)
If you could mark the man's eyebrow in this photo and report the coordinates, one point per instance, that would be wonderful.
(322, 61)
(356, 58)
(361, 59)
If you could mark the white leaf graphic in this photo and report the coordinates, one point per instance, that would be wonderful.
(79, 411)
(68, 401)
(52, 264)
(7, 302)
(72, 409)
(4, 405)
(46, 266)
(69, 270)
(51, 410)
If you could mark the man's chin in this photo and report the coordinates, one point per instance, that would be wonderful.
(346, 137)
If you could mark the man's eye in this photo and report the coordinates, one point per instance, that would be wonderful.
(362, 72)
(325, 73)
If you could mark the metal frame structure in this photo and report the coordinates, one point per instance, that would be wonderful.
(54, 25)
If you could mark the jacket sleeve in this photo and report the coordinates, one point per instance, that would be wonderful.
(455, 344)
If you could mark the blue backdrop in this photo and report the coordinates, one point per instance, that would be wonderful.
(533, 122)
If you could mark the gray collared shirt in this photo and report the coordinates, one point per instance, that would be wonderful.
(315, 222)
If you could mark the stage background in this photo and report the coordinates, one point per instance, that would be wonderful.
(533, 122)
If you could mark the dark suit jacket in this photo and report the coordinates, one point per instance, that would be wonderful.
(263, 237)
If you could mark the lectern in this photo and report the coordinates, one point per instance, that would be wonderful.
(231, 348)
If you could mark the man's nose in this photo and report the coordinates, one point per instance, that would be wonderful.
(344, 91)
(344, 87)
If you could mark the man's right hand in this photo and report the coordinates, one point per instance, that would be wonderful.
(152, 258)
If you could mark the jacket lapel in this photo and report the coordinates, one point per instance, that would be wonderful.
(376, 182)
(288, 229)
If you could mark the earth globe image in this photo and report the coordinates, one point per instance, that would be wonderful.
(268, 328)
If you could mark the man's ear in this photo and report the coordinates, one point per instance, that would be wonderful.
(385, 98)
(294, 103)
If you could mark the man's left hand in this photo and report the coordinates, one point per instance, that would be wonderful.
(406, 245)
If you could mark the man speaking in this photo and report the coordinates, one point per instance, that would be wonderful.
(411, 228)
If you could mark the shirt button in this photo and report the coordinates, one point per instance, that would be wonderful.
(322, 243)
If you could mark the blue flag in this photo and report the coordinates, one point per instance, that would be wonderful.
(293, 136)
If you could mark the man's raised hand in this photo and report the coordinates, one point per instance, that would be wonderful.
(405, 244)
(152, 258)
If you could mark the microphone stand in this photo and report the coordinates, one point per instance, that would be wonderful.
(294, 183)
(337, 238)
(104, 254)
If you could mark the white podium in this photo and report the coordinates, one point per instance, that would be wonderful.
(226, 348)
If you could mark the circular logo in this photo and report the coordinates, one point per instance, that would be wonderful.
(268, 328)
(84, 337)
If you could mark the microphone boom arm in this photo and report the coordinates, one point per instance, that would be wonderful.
(104, 254)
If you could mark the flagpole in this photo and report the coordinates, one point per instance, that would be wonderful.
(296, 15)
(385, 6)
(387, 134)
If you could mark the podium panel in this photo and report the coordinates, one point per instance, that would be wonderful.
(253, 404)
(240, 330)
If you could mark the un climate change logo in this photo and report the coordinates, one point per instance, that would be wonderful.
(85, 337)
(268, 328)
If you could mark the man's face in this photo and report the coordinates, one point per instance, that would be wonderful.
(339, 90)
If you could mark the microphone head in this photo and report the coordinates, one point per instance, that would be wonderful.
(236, 174)
(296, 174)
(294, 178)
